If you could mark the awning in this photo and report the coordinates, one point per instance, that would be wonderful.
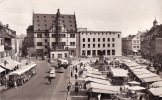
(156, 91)
(96, 76)
(134, 82)
(8, 66)
(103, 87)
(18, 63)
(104, 91)
(119, 72)
(157, 84)
(136, 88)
(1, 69)
(95, 80)
(147, 75)
(152, 79)
(94, 72)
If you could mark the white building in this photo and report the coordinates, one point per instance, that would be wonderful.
(89, 43)
(2, 51)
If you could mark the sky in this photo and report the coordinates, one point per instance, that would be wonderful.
(127, 16)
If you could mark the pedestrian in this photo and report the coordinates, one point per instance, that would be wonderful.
(15, 84)
(141, 97)
(69, 87)
(76, 69)
(76, 87)
(71, 73)
(49, 79)
(76, 76)
(99, 96)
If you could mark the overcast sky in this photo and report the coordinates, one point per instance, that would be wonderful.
(127, 16)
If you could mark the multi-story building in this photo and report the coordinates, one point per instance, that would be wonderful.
(30, 37)
(54, 34)
(127, 47)
(90, 43)
(9, 40)
(2, 51)
(151, 43)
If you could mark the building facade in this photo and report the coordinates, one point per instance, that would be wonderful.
(151, 44)
(54, 35)
(90, 43)
(127, 47)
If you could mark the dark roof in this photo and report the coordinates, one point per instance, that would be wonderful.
(154, 30)
(6, 32)
(45, 21)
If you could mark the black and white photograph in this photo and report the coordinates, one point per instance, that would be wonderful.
(80, 49)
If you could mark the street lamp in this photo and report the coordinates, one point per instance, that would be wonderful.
(5, 62)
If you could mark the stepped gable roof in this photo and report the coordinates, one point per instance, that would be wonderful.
(45, 21)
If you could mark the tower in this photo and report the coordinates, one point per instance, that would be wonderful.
(155, 23)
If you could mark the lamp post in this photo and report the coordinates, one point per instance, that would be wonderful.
(5, 62)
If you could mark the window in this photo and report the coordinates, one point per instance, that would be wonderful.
(53, 56)
(113, 39)
(39, 43)
(103, 45)
(2, 41)
(113, 45)
(134, 46)
(72, 35)
(93, 45)
(108, 52)
(38, 25)
(93, 39)
(83, 39)
(37, 20)
(113, 52)
(72, 43)
(88, 52)
(137, 46)
(108, 44)
(88, 45)
(98, 45)
(118, 35)
(83, 45)
(108, 39)
(103, 39)
(53, 35)
(88, 39)
(45, 21)
(45, 40)
(44, 16)
(39, 35)
(98, 39)
(53, 43)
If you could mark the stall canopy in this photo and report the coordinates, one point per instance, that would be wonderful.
(94, 72)
(96, 76)
(136, 88)
(119, 72)
(156, 91)
(142, 72)
(1, 69)
(157, 84)
(147, 75)
(104, 91)
(11, 64)
(103, 87)
(134, 82)
(95, 80)
(152, 79)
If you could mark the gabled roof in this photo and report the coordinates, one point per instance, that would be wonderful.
(154, 31)
(45, 21)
